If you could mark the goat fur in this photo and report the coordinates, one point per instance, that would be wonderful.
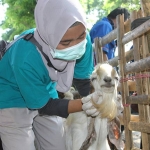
(105, 79)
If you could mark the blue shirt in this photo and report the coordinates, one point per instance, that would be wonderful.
(100, 29)
(24, 79)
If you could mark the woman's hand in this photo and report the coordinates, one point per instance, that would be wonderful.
(88, 106)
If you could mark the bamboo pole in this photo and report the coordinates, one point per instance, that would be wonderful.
(140, 99)
(131, 86)
(140, 126)
(124, 89)
(136, 59)
(138, 66)
(134, 118)
(128, 55)
(113, 34)
(98, 50)
(145, 6)
(127, 26)
(100, 53)
(137, 32)
(109, 37)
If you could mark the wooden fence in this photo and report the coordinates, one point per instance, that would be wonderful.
(139, 82)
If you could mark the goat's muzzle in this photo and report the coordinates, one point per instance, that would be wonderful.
(108, 85)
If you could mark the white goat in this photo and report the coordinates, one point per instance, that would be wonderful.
(105, 79)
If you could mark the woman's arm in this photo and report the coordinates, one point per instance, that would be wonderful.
(61, 107)
(74, 106)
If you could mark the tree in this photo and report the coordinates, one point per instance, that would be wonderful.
(20, 13)
(19, 17)
(96, 9)
(129, 4)
(93, 6)
(103, 7)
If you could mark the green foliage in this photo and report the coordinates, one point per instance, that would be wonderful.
(19, 16)
(103, 7)
(20, 13)
(97, 9)
(91, 5)
(129, 4)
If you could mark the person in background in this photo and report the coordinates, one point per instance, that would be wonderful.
(30, 109)
(104, 27)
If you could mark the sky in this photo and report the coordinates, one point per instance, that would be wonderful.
(2, 16)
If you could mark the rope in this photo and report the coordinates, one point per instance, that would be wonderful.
(126, 105)
(139, 76)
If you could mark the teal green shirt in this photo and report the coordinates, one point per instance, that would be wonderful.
(84, 66)
(24, 79)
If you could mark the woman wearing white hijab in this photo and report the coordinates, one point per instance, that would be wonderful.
(28, 94)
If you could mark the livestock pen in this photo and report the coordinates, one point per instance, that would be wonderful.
(134, 76)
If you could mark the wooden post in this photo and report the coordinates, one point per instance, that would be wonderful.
(136, 45)
(98, 50)
(145, 6)
(127, 26)
(114, 61)
(113, 34)
(124, 88)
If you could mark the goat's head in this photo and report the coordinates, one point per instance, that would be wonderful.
(105, 79)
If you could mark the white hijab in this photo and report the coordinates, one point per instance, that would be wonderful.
(53, 18)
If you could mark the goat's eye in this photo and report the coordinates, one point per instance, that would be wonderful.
(94, 78)
(116, 78)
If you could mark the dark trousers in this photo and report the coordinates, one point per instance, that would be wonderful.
(1, 145)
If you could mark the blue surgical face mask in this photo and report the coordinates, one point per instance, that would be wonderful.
(70, 53)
